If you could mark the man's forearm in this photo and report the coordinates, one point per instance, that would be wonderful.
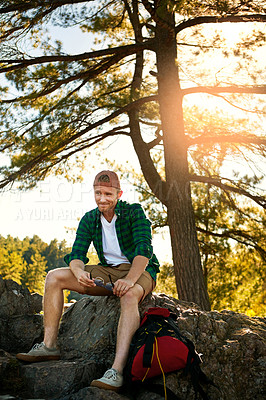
(138, 266)
(76, 267)
(83, 277)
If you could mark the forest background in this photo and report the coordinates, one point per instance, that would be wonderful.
(232, 283)
(49, 112)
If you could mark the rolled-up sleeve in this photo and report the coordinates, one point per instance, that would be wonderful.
(81, 244)
(141, 231)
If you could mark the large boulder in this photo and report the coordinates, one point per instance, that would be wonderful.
(19, 333)
(232, 344)
(21, 325)
(16, 300)
(50, 380)
(10, 380)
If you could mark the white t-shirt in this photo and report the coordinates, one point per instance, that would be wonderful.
(111, 248)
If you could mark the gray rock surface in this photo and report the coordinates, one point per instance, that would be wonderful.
(10, 380)
(53, 379)
(19, 333)
(16, 300)
(232, 344)
(91, 393)
(21, 324)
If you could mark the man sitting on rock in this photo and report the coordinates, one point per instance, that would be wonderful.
(121, 235)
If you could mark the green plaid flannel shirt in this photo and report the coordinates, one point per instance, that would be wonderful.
(133, 231)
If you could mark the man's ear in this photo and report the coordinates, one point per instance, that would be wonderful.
(119, 194)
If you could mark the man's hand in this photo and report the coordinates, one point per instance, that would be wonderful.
(84, 279)
(121, 286)
(138, 266)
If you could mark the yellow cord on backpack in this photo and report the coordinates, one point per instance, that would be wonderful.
(159, 362)
(160, 365)
(151, 364)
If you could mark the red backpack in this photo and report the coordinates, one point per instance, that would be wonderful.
(158, 347)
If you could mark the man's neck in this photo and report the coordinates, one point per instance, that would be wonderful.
(109, 216)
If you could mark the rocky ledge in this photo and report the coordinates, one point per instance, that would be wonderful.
(232, 345)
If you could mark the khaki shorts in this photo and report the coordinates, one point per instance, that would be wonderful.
(118, 272)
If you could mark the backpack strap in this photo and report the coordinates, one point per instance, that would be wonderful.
(149, 344)
(149, 349)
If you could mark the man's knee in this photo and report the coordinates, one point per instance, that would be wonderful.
(52, 277)
(132, 297)
(56, 277)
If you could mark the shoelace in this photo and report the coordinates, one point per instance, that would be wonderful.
(111, 373)
(38, 346)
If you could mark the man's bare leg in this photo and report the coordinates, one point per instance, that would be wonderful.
(56, 281)
(53, 302)
(128, 324)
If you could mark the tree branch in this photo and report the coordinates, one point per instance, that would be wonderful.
(260, 89)
(39, 9)
(227, 139)
(62, 145)
(85, 76)
(155, 141)
(122, 51)
(217, 182)
(237, 235)
(85, 144)
(214, 20)
(82, 144)
(25, 6)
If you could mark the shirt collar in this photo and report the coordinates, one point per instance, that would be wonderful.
(118, 208)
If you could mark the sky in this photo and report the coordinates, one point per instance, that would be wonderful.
(53, 208)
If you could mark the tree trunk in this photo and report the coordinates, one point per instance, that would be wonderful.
(186, 257)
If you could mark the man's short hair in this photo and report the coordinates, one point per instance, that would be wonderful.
(107, 178)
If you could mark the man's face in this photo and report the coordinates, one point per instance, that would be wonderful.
(106, 198)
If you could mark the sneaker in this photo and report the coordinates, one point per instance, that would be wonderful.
(111, 380)
(39, 352)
